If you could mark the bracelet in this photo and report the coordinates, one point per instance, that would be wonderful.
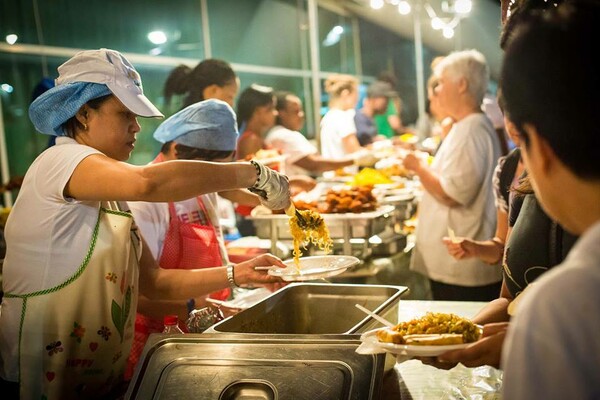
(231, 276)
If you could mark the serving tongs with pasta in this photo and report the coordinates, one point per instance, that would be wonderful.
(307, 226)
(302, 222)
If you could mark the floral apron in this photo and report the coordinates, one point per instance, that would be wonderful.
(74, 338)
(186, 246)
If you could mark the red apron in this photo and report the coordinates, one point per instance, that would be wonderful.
(187, 245)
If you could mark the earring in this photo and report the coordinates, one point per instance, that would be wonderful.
(84, 126)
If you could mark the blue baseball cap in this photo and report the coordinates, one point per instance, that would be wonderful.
(209, 124)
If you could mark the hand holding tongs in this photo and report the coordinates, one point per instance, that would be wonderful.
(291, 211)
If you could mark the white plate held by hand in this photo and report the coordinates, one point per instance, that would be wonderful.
(316, 267)
(410, 350)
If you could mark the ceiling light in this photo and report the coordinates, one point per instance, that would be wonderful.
(463, 6)
(7, 88)
(448, 32)
(11, 39)
(437, 23)
(404, 7)
(157, 37)
(376, 4)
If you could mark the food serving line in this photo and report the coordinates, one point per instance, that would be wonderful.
(301, 342)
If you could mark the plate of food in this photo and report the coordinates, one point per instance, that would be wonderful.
(427, 336)
(315, 267)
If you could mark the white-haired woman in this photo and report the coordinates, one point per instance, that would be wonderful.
(458, 185)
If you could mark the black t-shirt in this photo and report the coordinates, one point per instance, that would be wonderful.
(536, 244)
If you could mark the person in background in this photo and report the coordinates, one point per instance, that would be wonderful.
(551, 349)
(185, 234)
(256, 115)
(535, 243)
(75, 260)
(458, 185)
(338, 131)
(491, 108)
(210, 79)
(379, 94)
(506, 176)
(436, 123)
(390, 123)
(302, 157)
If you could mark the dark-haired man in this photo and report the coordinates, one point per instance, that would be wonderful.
(550, 85)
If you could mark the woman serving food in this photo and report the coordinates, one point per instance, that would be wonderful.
(71, 283)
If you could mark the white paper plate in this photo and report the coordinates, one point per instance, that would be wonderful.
(315, 267)
(407, 349)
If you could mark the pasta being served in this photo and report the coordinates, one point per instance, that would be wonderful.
(313, 230)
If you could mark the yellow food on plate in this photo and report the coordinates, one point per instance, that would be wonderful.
(409, 138)
(436, 327)
(369, 177)
(314, 231)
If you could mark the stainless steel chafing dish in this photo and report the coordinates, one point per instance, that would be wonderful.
(316, 308)
(341, 226)
(269, 367)
(298, 343)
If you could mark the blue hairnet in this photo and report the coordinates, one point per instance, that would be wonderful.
(57, 105)
(209, 125)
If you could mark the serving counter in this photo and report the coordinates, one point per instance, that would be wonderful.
(254, 357)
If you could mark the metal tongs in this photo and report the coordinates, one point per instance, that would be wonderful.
(291, 211)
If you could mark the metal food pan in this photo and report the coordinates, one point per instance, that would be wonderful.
(316, 309)
(220, 366)
(359, 225)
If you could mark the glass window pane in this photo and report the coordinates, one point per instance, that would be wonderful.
(122, 25)
(395, 54)
(23, 143)
(261, 32)
(336, 44)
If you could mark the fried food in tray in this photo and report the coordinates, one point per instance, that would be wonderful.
(352, 200)
(433, 329)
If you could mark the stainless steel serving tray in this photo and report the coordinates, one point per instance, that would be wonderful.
(366, 224)
(316, 309)
(218, 366)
